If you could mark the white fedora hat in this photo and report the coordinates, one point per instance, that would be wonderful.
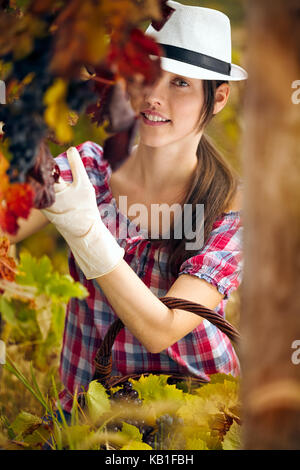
(196, 43)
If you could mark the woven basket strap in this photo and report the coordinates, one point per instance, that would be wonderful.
(103, 361)
(213, 317)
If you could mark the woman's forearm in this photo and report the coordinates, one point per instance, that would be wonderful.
(146, 317)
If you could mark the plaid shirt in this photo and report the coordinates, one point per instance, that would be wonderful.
(204, 351)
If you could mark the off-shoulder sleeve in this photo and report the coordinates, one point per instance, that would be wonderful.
(220, 262)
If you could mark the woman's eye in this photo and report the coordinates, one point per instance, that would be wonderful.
(180, 82)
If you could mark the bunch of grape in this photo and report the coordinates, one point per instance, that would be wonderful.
(25, 131)
(80, 95)
(165, 431)
(24, 124)
(23, 118)
(158, 437)
(127, 395)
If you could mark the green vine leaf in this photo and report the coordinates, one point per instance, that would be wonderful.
(62, 288)
(38, 438)
(72, 436)
(97, 400)
(155, 388)
(39, 273)
(25, 423)
(132, 435)
(232, 440)
(223, 391)
(7, 311)
(34, 272)
(135, 445)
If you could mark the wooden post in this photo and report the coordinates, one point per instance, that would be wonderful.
(270, 320)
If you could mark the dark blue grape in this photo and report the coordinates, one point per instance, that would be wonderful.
(133, 394)
(127, 386)
(80, 94)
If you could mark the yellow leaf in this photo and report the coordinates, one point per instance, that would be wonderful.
(194, 443)
(136, 445)
(55, 92)
(57, 113)
(4, 181)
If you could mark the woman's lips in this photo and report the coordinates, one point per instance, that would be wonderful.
(154, 123)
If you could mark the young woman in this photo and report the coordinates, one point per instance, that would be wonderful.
(126, 271)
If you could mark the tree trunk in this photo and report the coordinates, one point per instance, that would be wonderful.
(270, 320)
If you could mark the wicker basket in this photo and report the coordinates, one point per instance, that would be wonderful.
(103, 359)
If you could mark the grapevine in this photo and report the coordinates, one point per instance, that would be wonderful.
(189, 424)
(64, 57)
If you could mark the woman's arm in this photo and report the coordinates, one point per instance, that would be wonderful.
(154, 324)
(35, 222)
(76, 215)
(149, 320)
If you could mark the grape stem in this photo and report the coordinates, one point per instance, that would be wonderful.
(103, 80)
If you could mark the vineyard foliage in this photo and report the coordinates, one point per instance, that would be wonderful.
(62, 60)
(162, 416)
(57, 59)
(204, 418)
(33, 303)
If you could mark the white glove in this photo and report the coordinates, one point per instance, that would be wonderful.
(76, 216)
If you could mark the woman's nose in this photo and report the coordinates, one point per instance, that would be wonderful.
(155, 94)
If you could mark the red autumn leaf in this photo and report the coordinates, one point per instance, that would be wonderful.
(19, 199)
(132, 57)
(7, 264)
(79, 37)
(167, 11)
(16, 200)
(8, 221)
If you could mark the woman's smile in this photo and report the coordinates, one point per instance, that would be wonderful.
(153, 118)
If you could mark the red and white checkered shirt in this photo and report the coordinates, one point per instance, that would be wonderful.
(204, 351)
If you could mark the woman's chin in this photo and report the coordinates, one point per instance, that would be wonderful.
(153, 141)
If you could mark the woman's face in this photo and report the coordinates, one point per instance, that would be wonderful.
(169, 111)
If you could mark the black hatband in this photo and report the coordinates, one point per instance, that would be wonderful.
(196, 58)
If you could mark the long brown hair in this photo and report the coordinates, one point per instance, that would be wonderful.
(214, 185)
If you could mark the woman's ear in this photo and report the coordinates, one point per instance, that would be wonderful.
(222, 95)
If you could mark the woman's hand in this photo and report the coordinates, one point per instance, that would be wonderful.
(76, 216)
